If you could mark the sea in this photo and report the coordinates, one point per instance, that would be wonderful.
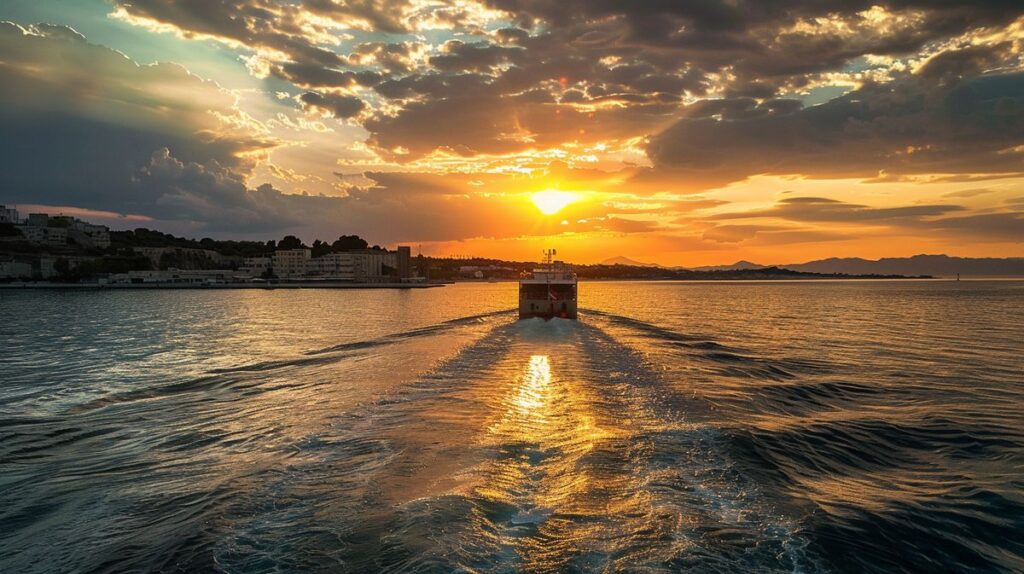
(794, 426)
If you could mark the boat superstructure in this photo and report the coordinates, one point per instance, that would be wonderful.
(549, 291)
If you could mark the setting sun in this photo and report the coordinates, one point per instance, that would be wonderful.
(551, 201)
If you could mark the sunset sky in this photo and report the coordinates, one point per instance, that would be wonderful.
(677, 132)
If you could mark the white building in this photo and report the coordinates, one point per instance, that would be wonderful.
(90, 234)
(173, 277)
(41, 228)
(361, 266)
(9, 215)
(291, 263)
(255, 266)
(339, 266)
(15, 270)
(56, 236)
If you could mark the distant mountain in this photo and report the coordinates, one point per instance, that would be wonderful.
(933, 265)
(620, 260)
(734, 267)
(936, 265)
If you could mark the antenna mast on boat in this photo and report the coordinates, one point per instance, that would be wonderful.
(549, 258)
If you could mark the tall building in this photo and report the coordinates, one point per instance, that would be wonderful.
(38, 220)
(339, 266)
(291, 263)
(255, 266)
(9, 215)
(404, 262)
(90, 234)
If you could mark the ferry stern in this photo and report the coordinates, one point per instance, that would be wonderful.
(549, 291)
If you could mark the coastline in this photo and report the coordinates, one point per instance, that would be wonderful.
(267, 286)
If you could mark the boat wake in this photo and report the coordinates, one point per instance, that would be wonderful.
(478, 444)
(542, 447)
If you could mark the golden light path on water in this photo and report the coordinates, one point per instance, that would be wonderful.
(546, 431)
(545, 447)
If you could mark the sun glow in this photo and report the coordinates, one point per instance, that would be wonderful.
(551, 201)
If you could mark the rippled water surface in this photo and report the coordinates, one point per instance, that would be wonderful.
(705, 427)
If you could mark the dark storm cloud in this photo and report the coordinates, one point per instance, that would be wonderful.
(912, 125)
(79, 120)
(316, 76)
(966, 62)
(334, 105)
(459, 56)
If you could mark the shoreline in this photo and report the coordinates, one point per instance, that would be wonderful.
(171, 286)
(42, 286)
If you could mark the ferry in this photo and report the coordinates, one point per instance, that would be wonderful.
(549, 291)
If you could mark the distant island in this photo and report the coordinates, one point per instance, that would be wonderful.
(496, 269)
(917, 265)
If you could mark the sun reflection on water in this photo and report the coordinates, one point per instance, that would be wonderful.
(546, 432)
(532, 393)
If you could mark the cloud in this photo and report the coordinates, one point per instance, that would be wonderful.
(79, 120)
(987, 226)
(817, 209)
(974, 192)
(581, 71)
(769, 234)
(938, 220)
(734, 233)
(333, 105)
(909, 126)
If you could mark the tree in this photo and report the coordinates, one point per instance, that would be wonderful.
(321, 248)
(63, 268)
(349, 243)
(290, 242)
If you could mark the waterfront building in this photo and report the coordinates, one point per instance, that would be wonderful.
(9, 215)
(404, 264)
(337, 266)
(57, 230)
(12, 269)
(89, 234)
(291, 263)
(253, 267)
(362, 266)
(55, 236)
(173, 277)
(185, 257)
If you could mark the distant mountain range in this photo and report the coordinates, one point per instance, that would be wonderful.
(739, 265)
(934, 265)
(620, 260)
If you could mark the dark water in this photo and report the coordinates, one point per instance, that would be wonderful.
(705, 427)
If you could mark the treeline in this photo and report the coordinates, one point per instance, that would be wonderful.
(68, 273)
(142, 237)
